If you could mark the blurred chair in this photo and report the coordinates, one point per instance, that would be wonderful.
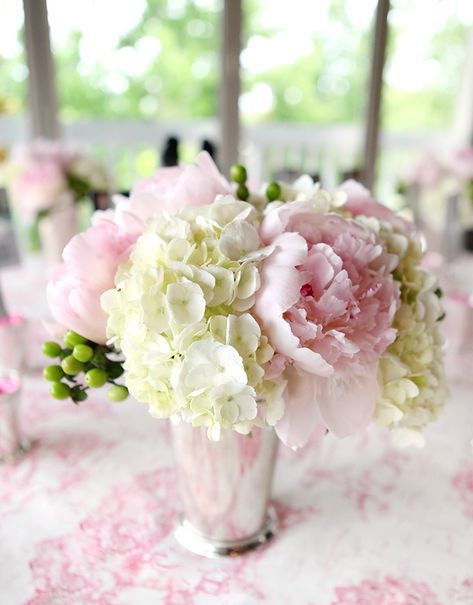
(210, 148)
(170, 152)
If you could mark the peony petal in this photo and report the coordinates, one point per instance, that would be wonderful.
(301, 415)
(360, 201)
(347, 404)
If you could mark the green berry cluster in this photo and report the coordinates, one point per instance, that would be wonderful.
(239, 175)
(81, 356)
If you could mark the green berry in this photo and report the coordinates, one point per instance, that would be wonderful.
(115, 369)
(59, 390)
(238, 174)
(243, 193)
(71, 366)
(96, 378)
(71, 339)
(53, 373)
(117, 393)
(273, 192)
(83, 353)
(99, 359)
(78, 394)
(51, 349)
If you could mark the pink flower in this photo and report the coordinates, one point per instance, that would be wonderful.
(326, 302)
(43, 150)
(180, 186)
(91, 260)
(360, 202)
(38, 186)
(39, 174)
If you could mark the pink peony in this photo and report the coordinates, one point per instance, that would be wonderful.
(38, 186)
(39, 174)
(43, 150)
(360, 202)
(91, 260)
(327, 302)
(174, 188)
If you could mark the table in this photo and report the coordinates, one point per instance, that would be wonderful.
(86, 517)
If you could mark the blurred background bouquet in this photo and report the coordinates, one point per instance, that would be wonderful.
(47, 180)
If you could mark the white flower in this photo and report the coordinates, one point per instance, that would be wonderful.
(178, 314)
(209, 363)
(226, 209)
(234, 402)
(411, 372)
(248, 281)
(185, 302)
(179, 249)
(224, 286)
(243, 333)
(273, 403)
(184, 338)
(237, 239)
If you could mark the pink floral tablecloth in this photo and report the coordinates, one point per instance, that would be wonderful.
(86, 517)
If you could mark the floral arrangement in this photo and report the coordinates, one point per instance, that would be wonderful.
(456, 166)
(290, 307)
(434, 178)
(43, 174)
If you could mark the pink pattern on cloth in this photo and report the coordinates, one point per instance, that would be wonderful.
(129, 534)
(121, 533)
(389, 591)
(463, 483)
(463, 593)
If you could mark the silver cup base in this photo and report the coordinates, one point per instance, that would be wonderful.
(192, 540)
(15, 454)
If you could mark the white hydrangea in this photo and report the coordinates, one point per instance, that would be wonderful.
(411, 371)
(179, 314)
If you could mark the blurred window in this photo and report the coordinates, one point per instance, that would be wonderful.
(13, 70)
(150, 59)
(425, 62)
(306, 61)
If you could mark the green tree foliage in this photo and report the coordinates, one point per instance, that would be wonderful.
(180, 80)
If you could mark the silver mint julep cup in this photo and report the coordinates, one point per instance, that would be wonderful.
(224, 489)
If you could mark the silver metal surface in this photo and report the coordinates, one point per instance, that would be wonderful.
(192, 540)
(224, 488)
(13, 334)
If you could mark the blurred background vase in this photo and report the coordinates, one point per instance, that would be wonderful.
(57, 227)
(11, 442)
(225, 488)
